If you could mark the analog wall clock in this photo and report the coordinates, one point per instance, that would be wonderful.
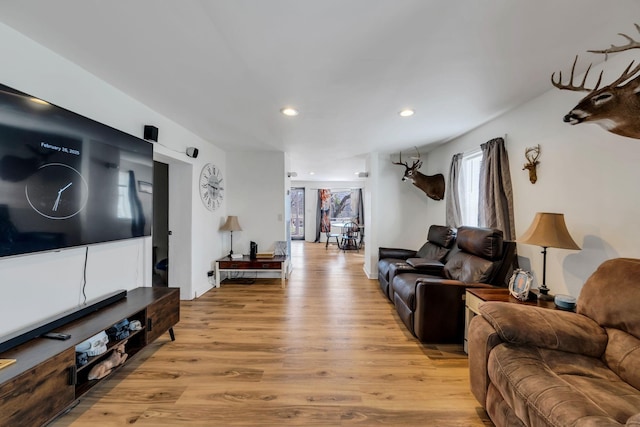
(210, 185)
(57, 191)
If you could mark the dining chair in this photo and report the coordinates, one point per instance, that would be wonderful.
(350, 236)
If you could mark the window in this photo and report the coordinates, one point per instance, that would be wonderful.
(297, 213)
(469, 187)
(341, 205)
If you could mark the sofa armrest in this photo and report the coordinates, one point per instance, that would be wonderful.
(546, 328)
(395, 253)
(426, 265)
(481, 339)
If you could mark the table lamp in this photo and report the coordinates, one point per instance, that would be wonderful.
(231, 225)
(549, 231)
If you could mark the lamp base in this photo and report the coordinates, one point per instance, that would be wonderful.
(543, 294)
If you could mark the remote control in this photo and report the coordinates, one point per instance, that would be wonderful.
(57, 336)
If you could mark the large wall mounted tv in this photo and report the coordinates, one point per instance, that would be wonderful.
(67, 180)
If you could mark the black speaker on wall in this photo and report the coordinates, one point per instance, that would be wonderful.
(150, 133)
(192, 152)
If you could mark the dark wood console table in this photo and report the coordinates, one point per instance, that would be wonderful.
(277, 263)
(45, 380)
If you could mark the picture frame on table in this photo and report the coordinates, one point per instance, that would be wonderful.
(520, 284)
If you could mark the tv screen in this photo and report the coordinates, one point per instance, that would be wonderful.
(66, 180)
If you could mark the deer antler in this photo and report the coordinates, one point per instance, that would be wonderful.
(400, 162)
(626, 74)
(415, 162)
(613, 49)
(536, 153)
(571, 86)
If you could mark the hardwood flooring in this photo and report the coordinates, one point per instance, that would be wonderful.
(329, 350)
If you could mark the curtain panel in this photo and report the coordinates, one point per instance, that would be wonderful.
(496, 193)
(453, 209)
(323, 221)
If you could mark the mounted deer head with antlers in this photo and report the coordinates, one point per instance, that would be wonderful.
(532, 154)
(432, 185)
(615, 107)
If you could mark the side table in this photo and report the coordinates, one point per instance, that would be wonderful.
(277, 263)
(475, 296)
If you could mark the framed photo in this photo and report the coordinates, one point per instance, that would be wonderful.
(520, 283)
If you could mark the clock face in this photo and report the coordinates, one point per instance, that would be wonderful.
(57, 191)
(211, 189)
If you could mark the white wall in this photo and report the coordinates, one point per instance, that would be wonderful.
(38, 286)
(256, 186)
(585, 172)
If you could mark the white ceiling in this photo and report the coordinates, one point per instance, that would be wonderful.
(224, 68)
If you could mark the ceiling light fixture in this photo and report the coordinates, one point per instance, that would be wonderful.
(288, 111)
(407, 112)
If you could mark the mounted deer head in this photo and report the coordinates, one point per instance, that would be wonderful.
(432, 185)
(532, 154)
(615, 107)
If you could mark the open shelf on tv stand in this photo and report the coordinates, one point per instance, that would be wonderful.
(45, 380)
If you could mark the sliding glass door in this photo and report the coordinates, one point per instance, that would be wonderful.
(297, 214)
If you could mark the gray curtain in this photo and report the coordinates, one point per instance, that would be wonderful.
(318, 216)
(453, 211)
(496, 193)
(357, 205)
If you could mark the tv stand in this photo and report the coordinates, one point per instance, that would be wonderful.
(45, 381)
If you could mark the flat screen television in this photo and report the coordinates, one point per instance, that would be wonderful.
(67, 180)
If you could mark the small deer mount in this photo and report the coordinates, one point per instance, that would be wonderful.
(614, 107)
(532, 154)
(432, 185)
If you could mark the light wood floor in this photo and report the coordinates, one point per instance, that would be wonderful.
(329, 350)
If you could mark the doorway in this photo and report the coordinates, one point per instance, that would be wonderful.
(160, 239)
(297, 213)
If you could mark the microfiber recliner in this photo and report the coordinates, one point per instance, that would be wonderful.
(532, 366)
(428, 259)
(431, 305)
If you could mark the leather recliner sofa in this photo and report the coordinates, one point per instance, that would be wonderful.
(429, 258)
(532, 366)
(432, 305)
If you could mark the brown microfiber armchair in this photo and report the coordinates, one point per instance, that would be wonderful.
(429, 258)
(431, 305)
(531, 366)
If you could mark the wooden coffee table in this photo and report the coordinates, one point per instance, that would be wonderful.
(277, 263)
(475, 296)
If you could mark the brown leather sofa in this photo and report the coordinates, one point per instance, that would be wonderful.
(531, 366)
(431, 305)
(428, 259)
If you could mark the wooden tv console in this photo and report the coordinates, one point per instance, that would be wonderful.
(45, 380)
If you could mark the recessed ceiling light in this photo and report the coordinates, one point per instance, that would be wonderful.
(407, 112)
(312, 173)
(288, 111)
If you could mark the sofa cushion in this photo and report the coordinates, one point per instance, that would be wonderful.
(428, 264)
(385, 264)
(623, 356)
(431, 251)
(610, 295)
(468, 268)
(550, 387)
(482, 242)
(439, 240)
(441, 235)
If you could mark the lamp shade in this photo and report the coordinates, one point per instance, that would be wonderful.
(548, 230)
(232, 224)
